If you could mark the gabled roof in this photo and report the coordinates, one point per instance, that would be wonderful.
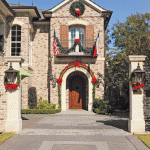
(105, 13)
(87, 2)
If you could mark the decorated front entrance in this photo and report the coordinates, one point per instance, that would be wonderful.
(76, 93)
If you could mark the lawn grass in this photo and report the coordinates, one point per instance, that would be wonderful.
(5, 136)
(145, 138)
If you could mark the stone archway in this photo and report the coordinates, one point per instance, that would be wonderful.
(64, 91)
(77, 90)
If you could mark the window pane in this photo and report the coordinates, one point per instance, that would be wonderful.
(18, 27)
(18, 33)
(13, 27)
(18, 38)
(18, 45)
(18, 50)
(13, 52)
(13, 45)
(13, 38)
(13, 33)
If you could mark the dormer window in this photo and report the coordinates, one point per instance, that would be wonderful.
(16, 40)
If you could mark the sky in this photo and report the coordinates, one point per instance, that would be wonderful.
(121, 8)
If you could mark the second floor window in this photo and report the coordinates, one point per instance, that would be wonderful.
(77, 33)
(16, 40)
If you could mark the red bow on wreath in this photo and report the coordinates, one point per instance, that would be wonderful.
(78, 12)
(11, 86)
(94, 80)
(59, 81)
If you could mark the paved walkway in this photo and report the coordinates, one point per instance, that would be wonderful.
(73, 130)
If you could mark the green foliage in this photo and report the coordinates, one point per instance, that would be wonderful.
(43, 104)
(101, 106)
(40, 111)
(94, 86)
(59, 95)
(133, 36)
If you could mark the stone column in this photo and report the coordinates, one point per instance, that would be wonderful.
(13, 122)
(136, 122)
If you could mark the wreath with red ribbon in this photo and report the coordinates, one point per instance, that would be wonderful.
(77, 9)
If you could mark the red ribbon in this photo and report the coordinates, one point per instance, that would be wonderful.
(78, 12)
(59, 81)
(77, 40)
(11, 86)
(77, 64)
(137, 85)
(94, 80)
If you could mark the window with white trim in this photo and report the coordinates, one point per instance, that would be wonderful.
(77, 33)
(16, 40)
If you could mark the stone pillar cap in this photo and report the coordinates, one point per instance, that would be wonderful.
(136, 58)
(14, 59)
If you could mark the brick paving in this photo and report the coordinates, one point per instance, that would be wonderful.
(74, 130)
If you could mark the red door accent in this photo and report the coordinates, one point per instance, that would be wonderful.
(75, 93)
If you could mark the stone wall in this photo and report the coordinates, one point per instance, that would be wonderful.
(3, 96)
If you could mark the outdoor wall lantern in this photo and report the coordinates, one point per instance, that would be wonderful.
(54, 81)
(137, 78)
(10, 74)
(138, 75)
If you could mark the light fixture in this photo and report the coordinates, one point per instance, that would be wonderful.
(10, 74)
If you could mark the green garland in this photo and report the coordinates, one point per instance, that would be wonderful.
(94, 88)
(18, 78)
(87, 50)
(59, 95)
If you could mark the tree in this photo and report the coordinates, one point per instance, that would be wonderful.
(133, 36)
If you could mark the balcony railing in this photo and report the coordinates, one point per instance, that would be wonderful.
(72, 47)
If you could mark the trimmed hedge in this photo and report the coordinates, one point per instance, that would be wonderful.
(101, 106)
(40, 111)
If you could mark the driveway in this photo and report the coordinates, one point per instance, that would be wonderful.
(74, 130)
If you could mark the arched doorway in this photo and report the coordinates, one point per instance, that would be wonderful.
(77, 85)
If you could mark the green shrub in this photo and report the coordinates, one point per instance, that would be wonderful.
(43, 104)
(101, 106)
(40, 111)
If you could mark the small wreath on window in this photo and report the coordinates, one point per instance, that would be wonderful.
(77, 9)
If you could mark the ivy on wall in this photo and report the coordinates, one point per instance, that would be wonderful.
(94, 88)
(59, 95)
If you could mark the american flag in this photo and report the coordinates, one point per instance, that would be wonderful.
(55, 48)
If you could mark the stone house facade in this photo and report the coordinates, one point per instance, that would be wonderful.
(28, 33)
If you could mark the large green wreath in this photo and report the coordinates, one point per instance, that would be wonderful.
(78, 5)
(18, 78)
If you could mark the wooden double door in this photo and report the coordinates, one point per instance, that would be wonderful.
(76, 95)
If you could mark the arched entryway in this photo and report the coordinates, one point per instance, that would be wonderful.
(77, 87)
